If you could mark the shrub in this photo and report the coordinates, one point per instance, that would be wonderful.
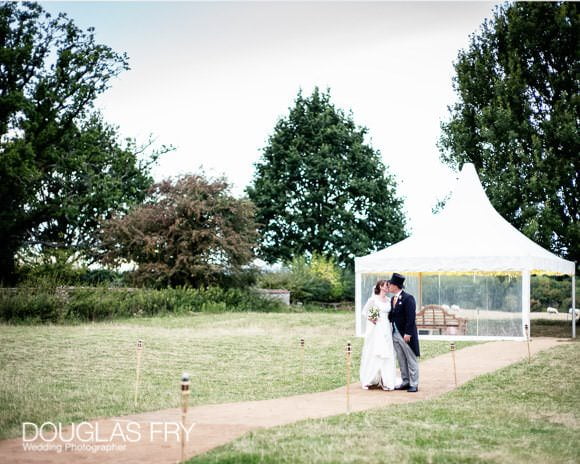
(109, 277)
(348, 285)
(318, 279)
(31, 305)
(551, 291)
(99, 303)
(59, 273)
(54, 273)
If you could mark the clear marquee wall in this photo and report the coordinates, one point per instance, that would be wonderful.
(491, 303)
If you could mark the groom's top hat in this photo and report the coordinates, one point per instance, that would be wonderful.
(397, 279)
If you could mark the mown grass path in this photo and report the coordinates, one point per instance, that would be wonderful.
(218, 424)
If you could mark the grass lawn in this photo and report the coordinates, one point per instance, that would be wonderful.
(557, 329)
(524, 413)
(78, 372)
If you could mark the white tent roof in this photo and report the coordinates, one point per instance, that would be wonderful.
(468, 235)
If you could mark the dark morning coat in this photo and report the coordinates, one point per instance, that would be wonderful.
(403, 316)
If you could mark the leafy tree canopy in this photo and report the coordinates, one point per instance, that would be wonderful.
(188, 232)
(62, 168)
(517, 119)
(319, 188)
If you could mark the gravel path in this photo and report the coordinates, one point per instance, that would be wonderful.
(154, 436)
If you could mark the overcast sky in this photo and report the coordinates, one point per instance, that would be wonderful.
(212, 78)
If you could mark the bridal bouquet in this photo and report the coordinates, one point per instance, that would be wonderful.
(374, 314)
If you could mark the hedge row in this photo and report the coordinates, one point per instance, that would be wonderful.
(94, 304)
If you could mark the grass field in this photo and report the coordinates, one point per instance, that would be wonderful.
(72, 373)
(550, 328)
(525, 413)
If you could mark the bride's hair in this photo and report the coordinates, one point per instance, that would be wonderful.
(378, 286)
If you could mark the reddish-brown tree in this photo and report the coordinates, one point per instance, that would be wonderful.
(190, 231)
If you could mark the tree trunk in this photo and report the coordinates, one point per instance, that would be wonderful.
(7, 266)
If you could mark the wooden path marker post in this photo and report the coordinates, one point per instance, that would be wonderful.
(138, 373)
(348, 355)
(527, 330)
(302, 358)
(452, 348)
(185, 382)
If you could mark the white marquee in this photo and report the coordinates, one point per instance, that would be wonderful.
(467, 236)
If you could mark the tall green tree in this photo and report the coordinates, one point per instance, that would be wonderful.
(92, 177)
(190, 231)
(62, 168)
(319, 188)
(517, 119)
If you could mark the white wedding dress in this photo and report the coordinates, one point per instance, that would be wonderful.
(377, 366)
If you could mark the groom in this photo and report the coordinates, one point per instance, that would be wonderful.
(405, 337)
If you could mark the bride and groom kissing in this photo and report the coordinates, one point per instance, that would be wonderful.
(391, 329)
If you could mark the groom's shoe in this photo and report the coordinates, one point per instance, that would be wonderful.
(403, 386)
(412, 389)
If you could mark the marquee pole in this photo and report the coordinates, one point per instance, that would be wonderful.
(574, 303)
(420, 292)
(525, 300)
(358, 304)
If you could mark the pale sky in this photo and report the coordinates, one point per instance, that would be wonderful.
(212, 78)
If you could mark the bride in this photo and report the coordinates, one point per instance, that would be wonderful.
(377, 367)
